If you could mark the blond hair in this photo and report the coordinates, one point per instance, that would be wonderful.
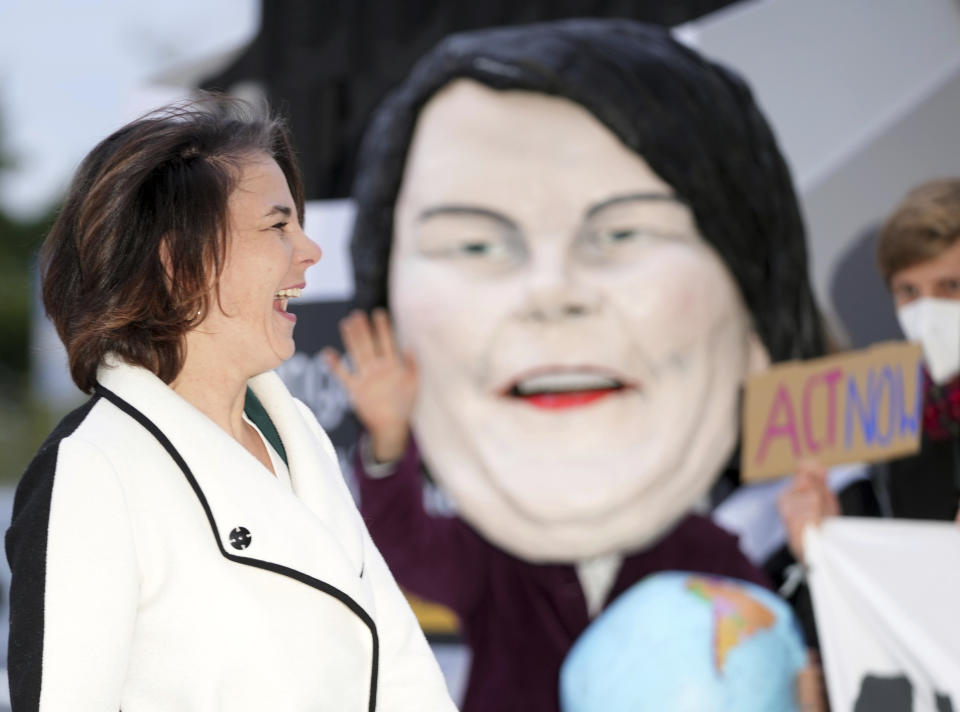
(924, 224)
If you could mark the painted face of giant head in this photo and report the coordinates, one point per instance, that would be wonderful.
(581, 347)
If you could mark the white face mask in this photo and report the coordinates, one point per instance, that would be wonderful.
(935, 323)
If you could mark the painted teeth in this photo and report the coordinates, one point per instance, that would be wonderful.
(288, 293)
(562, 382)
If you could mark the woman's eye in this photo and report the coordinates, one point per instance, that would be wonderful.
(279, 226)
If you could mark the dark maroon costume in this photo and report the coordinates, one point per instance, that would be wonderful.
(519, 618)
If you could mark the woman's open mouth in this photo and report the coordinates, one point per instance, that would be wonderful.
(280, 300)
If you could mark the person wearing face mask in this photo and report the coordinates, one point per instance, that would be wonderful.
(918, 254)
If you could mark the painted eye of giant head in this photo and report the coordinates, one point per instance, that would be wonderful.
(469, 235)
(617, 229)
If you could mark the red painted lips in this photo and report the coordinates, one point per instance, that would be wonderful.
(568, 399)
(563, 388)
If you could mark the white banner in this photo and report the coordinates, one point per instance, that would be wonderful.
(886, 595)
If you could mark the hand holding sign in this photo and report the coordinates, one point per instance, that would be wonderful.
(808, 500)
(860, 406)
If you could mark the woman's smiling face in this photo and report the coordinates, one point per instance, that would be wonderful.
(581, 347)
(266, 256)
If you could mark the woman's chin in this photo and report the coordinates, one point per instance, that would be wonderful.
(284, 352)
(272, 357)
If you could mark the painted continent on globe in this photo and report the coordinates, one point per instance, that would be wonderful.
(736, 615)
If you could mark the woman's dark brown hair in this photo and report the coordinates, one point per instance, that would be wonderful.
(154, 193)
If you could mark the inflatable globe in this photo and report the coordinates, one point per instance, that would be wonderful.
(686, 642)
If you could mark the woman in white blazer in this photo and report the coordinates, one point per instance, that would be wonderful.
(184, 540)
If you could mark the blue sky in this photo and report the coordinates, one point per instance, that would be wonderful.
(72, 71)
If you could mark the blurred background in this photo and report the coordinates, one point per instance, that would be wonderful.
(863, 95)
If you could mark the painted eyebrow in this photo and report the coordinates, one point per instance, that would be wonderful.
(281, 209)
(630, 198)
(463, 209)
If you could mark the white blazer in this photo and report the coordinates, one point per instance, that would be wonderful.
(157, 565)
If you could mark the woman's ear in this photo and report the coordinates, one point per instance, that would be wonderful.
(758, 358)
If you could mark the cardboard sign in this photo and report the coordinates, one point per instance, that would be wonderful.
(861, 406)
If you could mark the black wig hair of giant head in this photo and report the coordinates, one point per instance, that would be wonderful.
(693, 121)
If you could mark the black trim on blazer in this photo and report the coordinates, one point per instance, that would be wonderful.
(248, 561)
(26, 544)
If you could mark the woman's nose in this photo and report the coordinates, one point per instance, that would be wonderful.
(310, 252)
